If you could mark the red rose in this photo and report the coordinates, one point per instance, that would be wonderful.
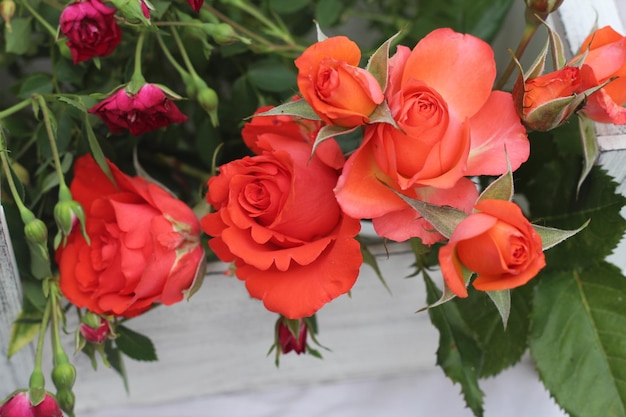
(19, 405)
(145, 244)
(277, 218)
(90, 28)
(606, 59)
(148, 110)
(451, 126)
(338, 90)
(497, 243)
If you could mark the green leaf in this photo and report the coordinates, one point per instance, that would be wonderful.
(502, 301)
(298, 108)
(481, 18)
(18, 39)
(443, 218)
(502, 347)
(272, 76)
(459, 354)
(287, 6)
(115, 358)
(578, 339)
(370, 259)
(551, 237)
(34, 83)
(328, 12)
(96, 150)
(500, 189)
(378, 64)
(590, 147)
(23, 331)
(135, 345)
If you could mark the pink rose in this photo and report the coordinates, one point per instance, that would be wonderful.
(90, 28)
(451, 126)
(148, 110)
(19, 405)
(606, 59)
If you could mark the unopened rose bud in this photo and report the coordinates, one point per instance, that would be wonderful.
(36, 232)
(20, 405)
(64, 376)
(222, 33)
(292, 335)
(547, 101)
(543, 7)
(7, 10)
(207, 98)
(94, 332)
(132, 10)
(66, 215)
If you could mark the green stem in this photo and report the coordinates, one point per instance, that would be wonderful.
(57, 348)
(170, 58)
(529, 31)
(137, 75)
(39, 18)
(7, 171)
(15, 108)
(45, 320)
(53, 144)
(183, 53)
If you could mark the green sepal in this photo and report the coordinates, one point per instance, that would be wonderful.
(551, 237)
(499, 189)
(502, 301)
(370, 259)
(590, 147)
(378, 63)
(298, 108)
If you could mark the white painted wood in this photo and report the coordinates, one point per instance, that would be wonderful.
(14, 373)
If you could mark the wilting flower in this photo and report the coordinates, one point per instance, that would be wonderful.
(145, 244)
(497, 243)
(90, 28)
(147, 110)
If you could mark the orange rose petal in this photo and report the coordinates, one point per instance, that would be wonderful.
(459, 67)
(452, 270)
(496, 127)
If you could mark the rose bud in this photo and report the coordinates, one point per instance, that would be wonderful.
(147, 110)
(90, 28)
(330, 80)
(547, 101)
(196, 5)
(19, 405)
(97, 333)
(497, 243)
(7, 10)
(543, 7)
(292, 335)
(207, 98)
(134, 11)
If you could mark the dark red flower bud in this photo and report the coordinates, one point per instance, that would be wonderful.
(292, 337)
(19, 405)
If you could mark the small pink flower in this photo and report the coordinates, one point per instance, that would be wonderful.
(96, 335)
(288, 341)
(148, 110)
(196, 4)
(19, 405)
(90, 28)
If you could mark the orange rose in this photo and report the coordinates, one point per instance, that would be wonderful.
(543, 102)
(277, 218)
(335, 87)
(497, 243)
(606, 59)
(451, 125)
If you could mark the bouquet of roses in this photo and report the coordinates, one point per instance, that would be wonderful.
(422, 141)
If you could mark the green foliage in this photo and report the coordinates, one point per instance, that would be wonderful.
(578, 339)
(135, 345)
(18, 39)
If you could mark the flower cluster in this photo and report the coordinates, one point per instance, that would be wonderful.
(422, 141)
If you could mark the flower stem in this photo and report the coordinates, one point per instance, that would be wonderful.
(40, 19)
(53, 144)
(532, 24)
(8, 174)
(183, 53)
(137, 80)
(15, 108)
(42, 333)
(170, 58)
